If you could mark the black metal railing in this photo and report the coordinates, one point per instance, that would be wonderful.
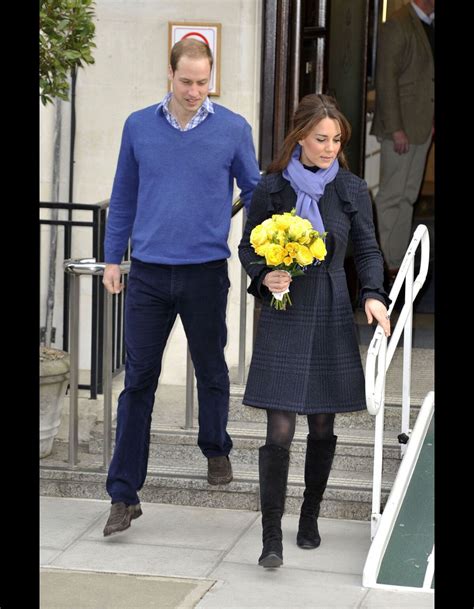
(96, 223)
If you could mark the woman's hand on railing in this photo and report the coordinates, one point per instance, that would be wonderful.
(376, 309)
(111, 280)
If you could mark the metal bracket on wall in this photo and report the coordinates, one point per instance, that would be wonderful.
(43, 335)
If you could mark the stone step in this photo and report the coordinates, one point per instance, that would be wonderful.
(354, 452)
(348, 420)
(348, 495)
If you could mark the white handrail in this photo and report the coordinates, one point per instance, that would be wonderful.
(397, 494)
(379, 358)
(428, 579)
(373, 384)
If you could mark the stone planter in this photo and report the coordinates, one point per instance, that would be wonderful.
(54, 379)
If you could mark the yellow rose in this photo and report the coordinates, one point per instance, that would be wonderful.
(270, 227)
(274, 254)
(318, 249)
(296, 231)
(261, 249)
(280, 237)
(291, 249)
(282, 221)
(301, 230)
(258, 236)
(304, 256)
(305, 238)
(268, 224)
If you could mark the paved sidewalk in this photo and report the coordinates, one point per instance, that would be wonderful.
(180, 557)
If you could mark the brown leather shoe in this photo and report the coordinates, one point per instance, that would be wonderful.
(120, 517)
(219, 470)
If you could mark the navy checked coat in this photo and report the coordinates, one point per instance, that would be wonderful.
(306, 359)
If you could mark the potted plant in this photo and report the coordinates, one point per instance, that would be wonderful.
(54, 380)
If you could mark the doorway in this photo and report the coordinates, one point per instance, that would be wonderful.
(314, 46)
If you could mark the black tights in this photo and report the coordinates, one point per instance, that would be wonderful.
(281, 427)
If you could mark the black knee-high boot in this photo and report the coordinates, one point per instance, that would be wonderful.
(318, 462)
(273, 466)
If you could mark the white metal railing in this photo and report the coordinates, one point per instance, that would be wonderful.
(428, 579)
(379, 357)
(395, 500)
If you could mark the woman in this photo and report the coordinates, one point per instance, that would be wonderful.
(306, 359)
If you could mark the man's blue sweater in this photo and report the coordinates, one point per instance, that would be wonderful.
(173, 189)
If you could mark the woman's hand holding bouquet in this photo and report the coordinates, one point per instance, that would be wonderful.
(288, 243)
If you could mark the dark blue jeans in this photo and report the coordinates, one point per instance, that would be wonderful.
(156, 294)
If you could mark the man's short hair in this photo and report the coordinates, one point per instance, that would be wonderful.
(191, 48)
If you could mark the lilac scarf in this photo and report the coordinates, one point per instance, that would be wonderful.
(309, 187)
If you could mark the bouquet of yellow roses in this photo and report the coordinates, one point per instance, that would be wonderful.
(287, 242)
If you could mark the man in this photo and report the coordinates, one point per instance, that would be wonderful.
(403, 119)
(172, 194)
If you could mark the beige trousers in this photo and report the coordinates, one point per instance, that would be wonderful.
(400, 181)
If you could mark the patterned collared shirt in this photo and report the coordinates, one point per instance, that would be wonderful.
(205, 109)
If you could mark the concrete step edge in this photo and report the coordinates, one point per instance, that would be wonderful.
(300, 436)
(255, 434)
(196, 475)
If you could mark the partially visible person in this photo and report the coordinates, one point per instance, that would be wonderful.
(403, 121)
(306, 359)
(172, 195)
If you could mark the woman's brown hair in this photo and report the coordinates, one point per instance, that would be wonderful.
(311, 109)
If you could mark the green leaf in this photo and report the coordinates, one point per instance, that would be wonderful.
(67, 30)
(72, 54)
